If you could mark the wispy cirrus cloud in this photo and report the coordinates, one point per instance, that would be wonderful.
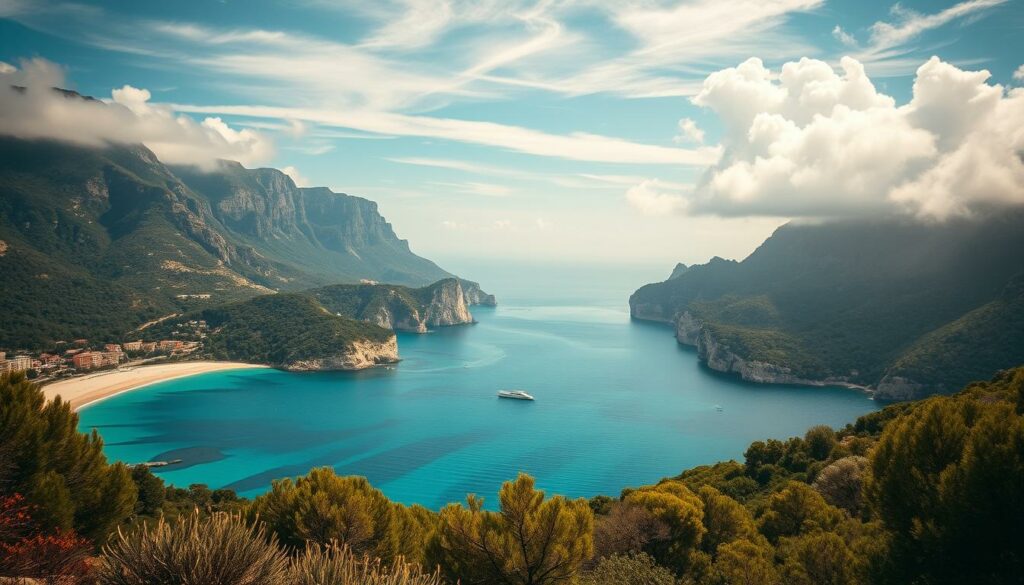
(891, 46)
(675, 46)
(576, 146)
(910, 24)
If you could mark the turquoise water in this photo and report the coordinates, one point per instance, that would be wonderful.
(618, 404)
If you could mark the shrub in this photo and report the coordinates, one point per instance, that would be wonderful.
(324, 508)
(841, 483)
(819, 441)
(682, 512)
(334, 565)
(632, 569)
(532, 541)
(57, 558)
(743, 562)
(796, 510)
(221, 549)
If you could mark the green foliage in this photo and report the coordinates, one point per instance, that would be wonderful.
(681, 512)
(324, 508)
(972, 347)
(743, 562)
(277, 329)
(632, 569)
(219, 550)
(728, 477)
(841, 483)
(948, 483)
(796, 510)
(60, 470)
(150, 489)
(725, 520)
(818, 558)
(333, 565)
(820, 441)
(531, 541)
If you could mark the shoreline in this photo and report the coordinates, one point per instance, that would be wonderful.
(82, 391)
(869, 391)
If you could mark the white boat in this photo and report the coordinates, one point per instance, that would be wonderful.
(514, 394)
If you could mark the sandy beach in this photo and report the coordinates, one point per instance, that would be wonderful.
(85, 390)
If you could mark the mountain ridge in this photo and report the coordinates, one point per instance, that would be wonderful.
(99, 240)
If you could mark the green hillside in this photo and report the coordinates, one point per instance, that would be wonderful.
(971, 347)
(278, 330)
(95, 241)
(857, 301)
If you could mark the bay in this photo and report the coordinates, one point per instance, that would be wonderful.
(618, 404)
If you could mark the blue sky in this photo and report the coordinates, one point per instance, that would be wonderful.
(531, 130)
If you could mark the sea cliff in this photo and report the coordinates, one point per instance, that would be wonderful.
(399, 308)
(448, 305)
(692, 332)
(359, 355)
(476, 296)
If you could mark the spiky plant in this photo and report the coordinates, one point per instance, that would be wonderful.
(334, 565)
(221, 549)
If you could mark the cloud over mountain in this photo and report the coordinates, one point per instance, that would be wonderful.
(813, 142)
(30, 108)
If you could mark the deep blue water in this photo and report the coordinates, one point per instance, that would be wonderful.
(618, 403)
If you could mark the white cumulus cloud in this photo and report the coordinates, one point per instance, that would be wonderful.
(298, 178)
(651, 197)
(1019, 73)
(815, 142)
(689, 132)
(37, 111)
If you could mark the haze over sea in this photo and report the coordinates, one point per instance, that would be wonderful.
(619, 403)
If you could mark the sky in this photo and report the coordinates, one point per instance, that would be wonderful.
(647, 131)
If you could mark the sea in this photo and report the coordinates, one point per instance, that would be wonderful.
(618, 403)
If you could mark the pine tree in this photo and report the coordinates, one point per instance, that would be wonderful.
(531, 541)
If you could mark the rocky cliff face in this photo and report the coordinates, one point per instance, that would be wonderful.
(330, 237)
(648, 311)
(690, 331)
(447, 305)
(357, 356)
(399, 308)
(476, 296)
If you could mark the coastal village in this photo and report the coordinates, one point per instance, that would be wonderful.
(79, 356)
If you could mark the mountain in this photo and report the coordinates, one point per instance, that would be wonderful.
(327, 237)
(881, 303)
(399, 308)
(95, 241)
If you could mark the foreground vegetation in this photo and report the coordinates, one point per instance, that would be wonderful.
(929, 493)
